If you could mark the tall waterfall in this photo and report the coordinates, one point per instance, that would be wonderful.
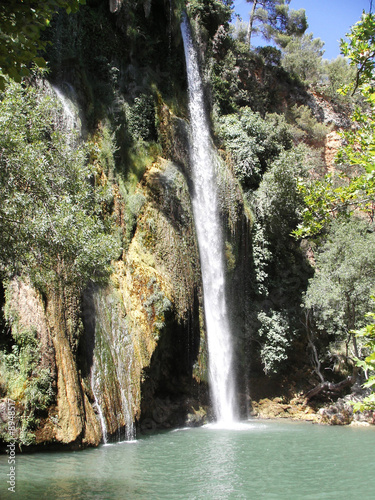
(210, 242)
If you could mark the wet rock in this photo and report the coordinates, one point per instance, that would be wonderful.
(197, 418)
(341, 412)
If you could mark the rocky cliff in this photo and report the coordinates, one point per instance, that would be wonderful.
(130, 354)
(98, 362)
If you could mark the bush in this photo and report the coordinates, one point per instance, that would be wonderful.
(275, 334)
(141, 118)
(310, 130)
(303, 57)
(253, 142)
(210, 13)
(55, 222)
(339, 293)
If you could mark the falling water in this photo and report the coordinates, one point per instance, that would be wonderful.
(70, 118)
(210, 242)
(98, 407)
(113, 366)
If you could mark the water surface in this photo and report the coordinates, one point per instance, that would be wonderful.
(259, 460)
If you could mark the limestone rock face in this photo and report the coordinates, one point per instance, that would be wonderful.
(76, 418)
(27, 304)
(147, 325)
(327, 112)
(333, 142)
(71, 419)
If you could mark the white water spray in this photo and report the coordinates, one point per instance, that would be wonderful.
(210, 242)
(98, 407)
(70, 118)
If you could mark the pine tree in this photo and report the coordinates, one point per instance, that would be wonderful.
(275, 20)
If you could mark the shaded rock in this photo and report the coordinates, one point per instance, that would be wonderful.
(341, 412)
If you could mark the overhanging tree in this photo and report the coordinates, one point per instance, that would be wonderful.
(55, 222)
(354, 188)
(338, 296)
(21, 25)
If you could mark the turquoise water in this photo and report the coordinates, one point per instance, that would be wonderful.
(260, 460)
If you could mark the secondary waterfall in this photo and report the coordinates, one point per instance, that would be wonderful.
(210, 242)
(70, 117)
(103, 424)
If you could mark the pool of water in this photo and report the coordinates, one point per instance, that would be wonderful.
(256, 460)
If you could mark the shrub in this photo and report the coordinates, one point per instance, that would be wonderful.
(275, 334)
(254, 142)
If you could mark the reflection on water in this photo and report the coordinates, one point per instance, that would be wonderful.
(217, 470)
(255, 460)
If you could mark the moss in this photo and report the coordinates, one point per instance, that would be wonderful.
(229, 255)
(200, 367)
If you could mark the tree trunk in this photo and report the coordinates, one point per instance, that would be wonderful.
(251, 21)
(332, 388)
(77, 422)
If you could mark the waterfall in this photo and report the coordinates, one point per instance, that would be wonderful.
(70, 117)
(98, 407)
(210, 242)
(113, 360)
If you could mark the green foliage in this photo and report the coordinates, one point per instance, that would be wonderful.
(309, 129)
(277, 204)
(339, 292)
(241, 78)
(335, 75)
(225, 82)
(141, 118)
(368, 364)
(360, 49)
(359, 150)
(274, 20)
(253, 142)
(21, 24)
(278, 201)
(334, 197)
(343, 194)
(302, 57)
(275, 334)
(326, 199)
(55, 221)
(210, 14)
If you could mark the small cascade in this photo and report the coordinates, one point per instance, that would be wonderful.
(70, 118)
(128, 416)
(123, 371)
(210, 242)
(113, 367)
(98, 407)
